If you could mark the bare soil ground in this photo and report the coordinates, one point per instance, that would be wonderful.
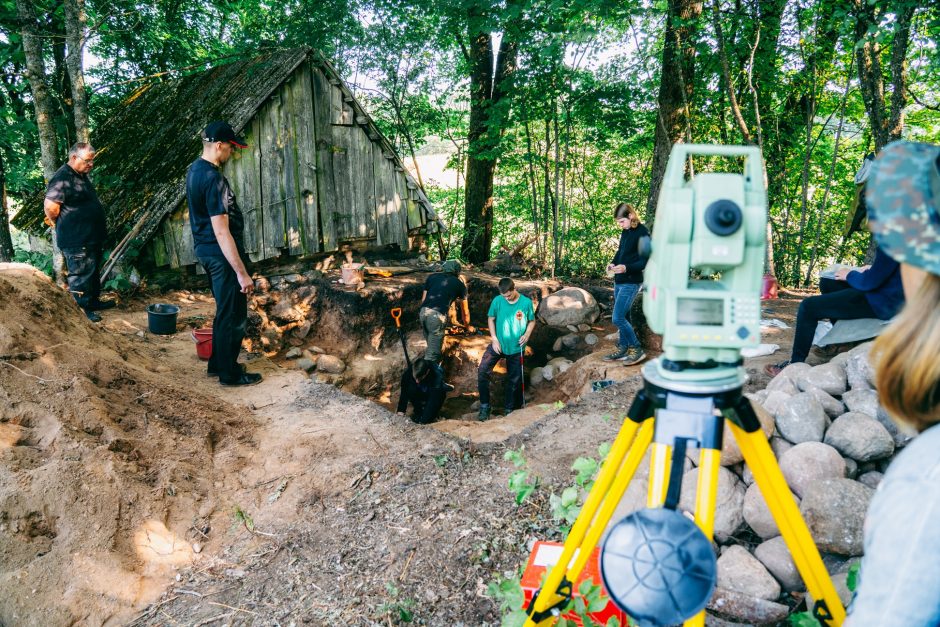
(136, 490)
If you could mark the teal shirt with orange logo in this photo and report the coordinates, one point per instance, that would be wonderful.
(511, 321)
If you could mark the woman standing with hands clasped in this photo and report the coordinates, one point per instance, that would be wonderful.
(898, 578)
(627, 270)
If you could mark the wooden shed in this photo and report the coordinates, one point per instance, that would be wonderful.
(317, 174)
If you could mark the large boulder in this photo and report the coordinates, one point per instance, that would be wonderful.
(746, 609)
(832, 406)
(859, 369)
(810, 462)
(729, 504)
(774, 401)
(830, 378)
(902, 435)
(802, 419)
(864, 401)
(860, 437)
(834, 511)
(776, 558)
(571, 305)
(786, 380)
(730, 451)
(757, 515)
(740, 571)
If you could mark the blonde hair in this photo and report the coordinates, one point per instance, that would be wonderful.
(908, 360)
(626, 210)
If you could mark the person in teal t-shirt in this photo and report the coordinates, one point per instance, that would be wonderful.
(511, 320)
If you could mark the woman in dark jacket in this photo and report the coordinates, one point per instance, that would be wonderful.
(627, 270)
(875, 292)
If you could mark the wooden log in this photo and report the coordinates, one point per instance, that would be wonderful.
(306, 162)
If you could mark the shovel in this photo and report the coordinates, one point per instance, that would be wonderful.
(396, 315)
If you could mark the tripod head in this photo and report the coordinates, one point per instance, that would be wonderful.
(707, 258)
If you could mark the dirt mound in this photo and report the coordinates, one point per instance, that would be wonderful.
(103, 464)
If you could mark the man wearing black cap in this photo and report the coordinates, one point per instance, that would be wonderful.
(72, 206)
(218, 234)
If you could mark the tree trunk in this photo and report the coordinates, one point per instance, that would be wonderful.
(488, 97)
(6, 242)
(726, 75)
(75, 43)
(887, 122)
(36, 76)
(675, 87)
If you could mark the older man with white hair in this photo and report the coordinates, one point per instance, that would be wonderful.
(73, 208)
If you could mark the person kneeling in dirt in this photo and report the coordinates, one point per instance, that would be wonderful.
(219, 238)
(73, 208)
(511, 320)
(417, 388)
(441, 289)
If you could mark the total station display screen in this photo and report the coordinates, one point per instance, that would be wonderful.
(700, 312)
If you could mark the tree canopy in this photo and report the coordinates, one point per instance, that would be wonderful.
(550, 112)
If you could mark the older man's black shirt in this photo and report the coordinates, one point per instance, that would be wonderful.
(209, 194)
(81, 221)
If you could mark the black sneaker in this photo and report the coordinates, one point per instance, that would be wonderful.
(93, 316)
(484, 413)
(634, 356)
(245, 378)
(447, 387)
(617, 356)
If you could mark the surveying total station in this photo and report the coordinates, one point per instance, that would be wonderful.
(703, 283)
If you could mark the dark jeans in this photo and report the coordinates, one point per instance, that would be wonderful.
(231, 316)
(83, 265)
(513, 378)
(624, 295)
(828, 286)
(846, 304)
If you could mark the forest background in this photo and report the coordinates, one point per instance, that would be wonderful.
(552, 111)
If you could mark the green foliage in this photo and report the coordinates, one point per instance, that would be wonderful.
(40, 261)
(398, 609)
(521, 483)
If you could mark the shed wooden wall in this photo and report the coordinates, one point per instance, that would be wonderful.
(315, 176)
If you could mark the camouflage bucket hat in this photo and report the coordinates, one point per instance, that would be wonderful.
(451, 265)
(903, 198)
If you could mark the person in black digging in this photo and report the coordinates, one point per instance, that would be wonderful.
(417, 388)
(441, 289)
(218, 234)
(73, 208)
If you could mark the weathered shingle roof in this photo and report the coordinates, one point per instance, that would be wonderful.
(146, 147)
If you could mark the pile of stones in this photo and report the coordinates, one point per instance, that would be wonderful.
(833, 442)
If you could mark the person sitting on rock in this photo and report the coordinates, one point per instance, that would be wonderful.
(875, 292)
(627, 270)
(417, 388)
(901, 541)
(441, 289)
(511, 319)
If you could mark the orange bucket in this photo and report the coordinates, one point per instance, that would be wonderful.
(203, 340)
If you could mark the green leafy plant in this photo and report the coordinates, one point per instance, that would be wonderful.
(399, 609)
(521, 484)
(507, 593)
(40, 261)
(242, 517)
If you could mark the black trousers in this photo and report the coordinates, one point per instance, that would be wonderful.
(490, 358)
(844, 304)
(84, 265)
(231, 316)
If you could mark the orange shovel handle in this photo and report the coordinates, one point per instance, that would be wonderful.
(396, 314)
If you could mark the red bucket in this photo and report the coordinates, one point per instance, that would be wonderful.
(203, 340)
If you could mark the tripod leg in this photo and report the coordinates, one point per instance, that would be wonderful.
(548, 594)
(660, 463)
(759, 456)
(619, 486)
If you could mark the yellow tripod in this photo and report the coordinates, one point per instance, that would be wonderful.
(672, 415)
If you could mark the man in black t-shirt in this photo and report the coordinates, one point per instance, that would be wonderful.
(441, 289)
(218, 235)
(73, 208)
